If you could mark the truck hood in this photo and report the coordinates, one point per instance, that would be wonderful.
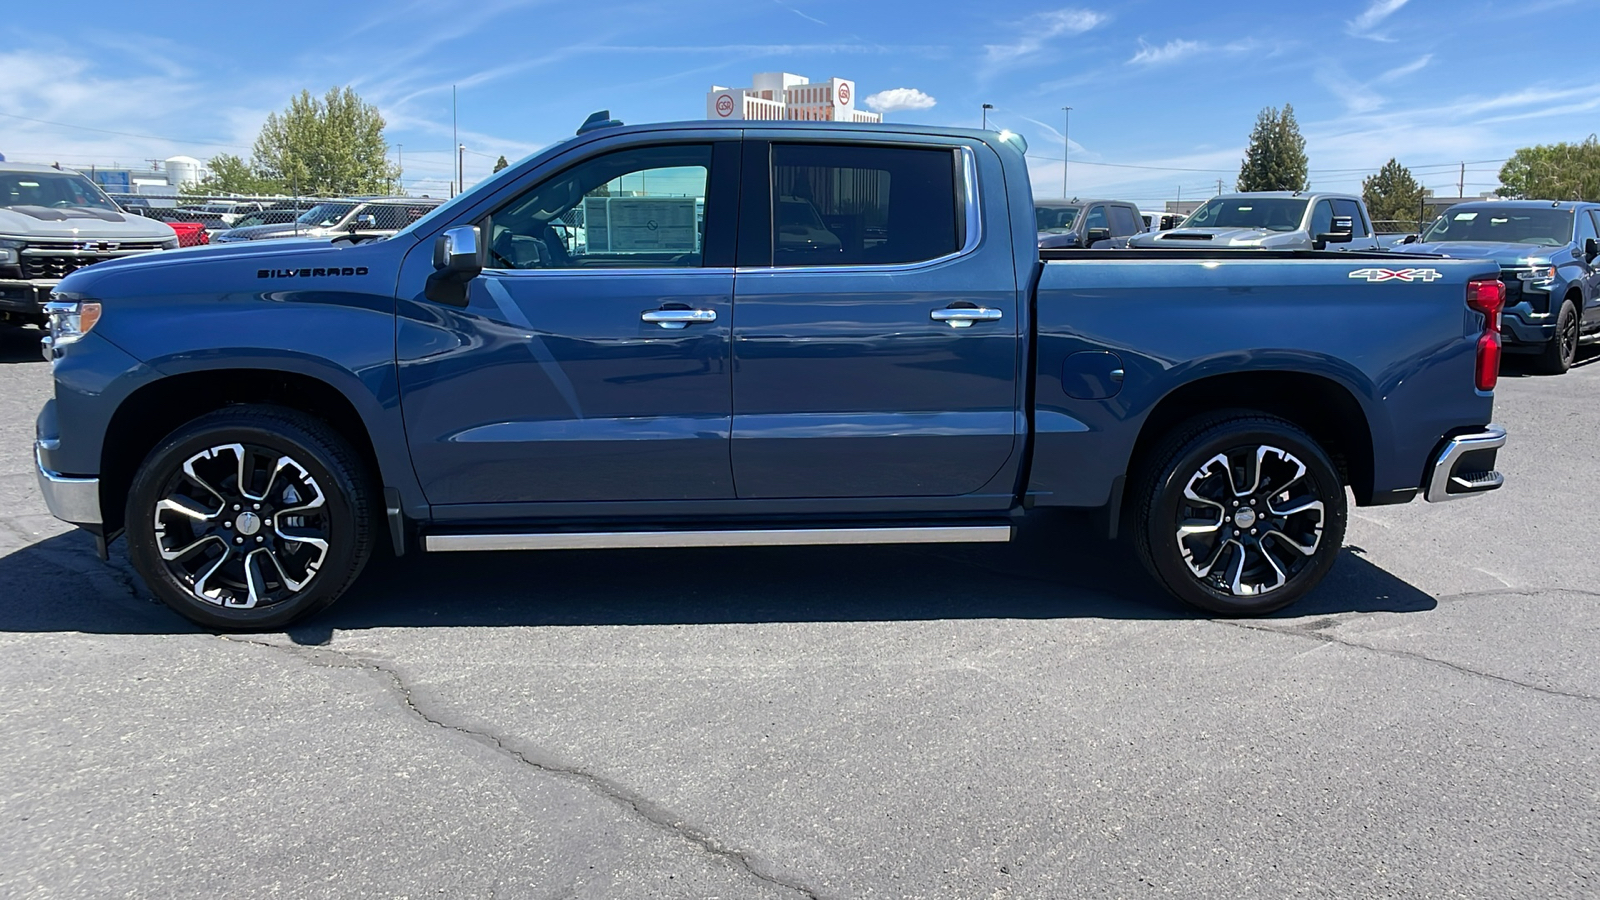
(1500, 253)
(1203, 238)
(229, 266)
(75, 223)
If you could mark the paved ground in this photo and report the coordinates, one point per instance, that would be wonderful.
(1032, 720)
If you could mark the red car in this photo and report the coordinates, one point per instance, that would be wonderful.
(190, 234)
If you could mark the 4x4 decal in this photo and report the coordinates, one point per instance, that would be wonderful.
(1374, 276)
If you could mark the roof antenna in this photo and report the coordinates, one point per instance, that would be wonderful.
(599, 120)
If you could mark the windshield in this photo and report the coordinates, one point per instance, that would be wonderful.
(1499, 225)
(56, 190)
(1056, 219)
(1269, 213)
(324, 214)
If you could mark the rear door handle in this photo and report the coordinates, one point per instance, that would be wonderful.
(678, 318)
(964, 316)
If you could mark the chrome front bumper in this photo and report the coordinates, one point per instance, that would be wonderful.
(75, 500)
(1466, 466)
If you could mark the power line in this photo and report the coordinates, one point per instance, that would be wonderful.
(149, 137)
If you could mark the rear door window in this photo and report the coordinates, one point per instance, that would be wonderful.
(841, 205)
(1123, 222)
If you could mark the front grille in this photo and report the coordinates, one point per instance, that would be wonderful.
(56, 260)
(1538, 300)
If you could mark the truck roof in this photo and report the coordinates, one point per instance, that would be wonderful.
(1299, 195)
(35, 167)
(1529, 204)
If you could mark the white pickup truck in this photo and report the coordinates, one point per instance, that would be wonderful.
(54, 222)
(1271, 220)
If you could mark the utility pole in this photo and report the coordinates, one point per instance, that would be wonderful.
(1461, 186)
(461, 155)
(986, 108)
(1066, 150)
(400, 179)
(453, 138)
(1219, 187)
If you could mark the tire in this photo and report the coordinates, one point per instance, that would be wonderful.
(1271, 558)
(1562, 350)
(203, 518)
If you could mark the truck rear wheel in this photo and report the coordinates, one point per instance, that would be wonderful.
(1240, 514)
(249, 518)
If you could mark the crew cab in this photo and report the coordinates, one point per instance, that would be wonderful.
(1095, 224)
(1272, 220)
(1549, 257)
(907, 367)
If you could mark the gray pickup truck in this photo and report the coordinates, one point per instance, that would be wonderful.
(54, 222)
(1271, 220)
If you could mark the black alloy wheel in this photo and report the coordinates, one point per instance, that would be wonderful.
(1241, 514)
(249, 517)
(1562, 350)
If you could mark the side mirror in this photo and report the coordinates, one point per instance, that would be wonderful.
(1411, 239)
(1339, 232)
(457, 259)
(1096, 235)
(1591, 249)
(368, 221)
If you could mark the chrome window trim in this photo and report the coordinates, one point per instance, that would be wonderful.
(671, 270)
(971, 202)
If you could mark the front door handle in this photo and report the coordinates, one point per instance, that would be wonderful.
(678, 318)
(964, 316)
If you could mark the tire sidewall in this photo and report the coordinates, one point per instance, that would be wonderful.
(168, 457)
(1167, 560)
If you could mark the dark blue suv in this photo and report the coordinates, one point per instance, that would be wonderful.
(1547, 254)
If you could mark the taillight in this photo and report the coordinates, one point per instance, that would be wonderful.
(1487, 296)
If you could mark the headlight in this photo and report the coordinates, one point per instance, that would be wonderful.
(1537, 278)
(10, 252)
(69, 321)
(170, 243)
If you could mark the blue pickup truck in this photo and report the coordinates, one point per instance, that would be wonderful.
(689, 335)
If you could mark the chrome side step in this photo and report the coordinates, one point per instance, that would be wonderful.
(763, 537)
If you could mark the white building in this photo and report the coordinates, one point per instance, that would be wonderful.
(779, 95)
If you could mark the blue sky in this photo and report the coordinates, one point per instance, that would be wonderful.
(1164, 92)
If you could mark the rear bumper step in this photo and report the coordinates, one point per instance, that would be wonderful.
(1466, 466)
(756, 537)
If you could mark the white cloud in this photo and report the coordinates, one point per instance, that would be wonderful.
(1040, 28)
(899, 98)
(1171, 51)
(1374, 15)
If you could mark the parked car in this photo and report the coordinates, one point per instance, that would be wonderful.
(474, 384)
(1547, 253)
(1271, 220)
(54, 222)
(190, 234)
(360, 219)
(1094, 224)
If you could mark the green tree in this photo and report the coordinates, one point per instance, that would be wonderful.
(228, 174)
(1553, 172)
(320, 146)
(1276, 158)
(501, 163)
(1393, 195)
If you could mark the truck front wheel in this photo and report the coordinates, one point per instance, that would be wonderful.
(1240, 514)
(250, 517)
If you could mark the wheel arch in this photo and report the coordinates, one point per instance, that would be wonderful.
(1325, 408)
(159, 407)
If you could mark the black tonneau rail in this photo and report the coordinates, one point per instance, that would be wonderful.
(1136, 253)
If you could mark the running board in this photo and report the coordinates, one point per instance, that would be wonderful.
(766, 537)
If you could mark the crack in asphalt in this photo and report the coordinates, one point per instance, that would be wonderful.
(642, 809)
(1326, 638)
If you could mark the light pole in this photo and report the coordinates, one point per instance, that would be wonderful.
(1066, 151)
(986, 108)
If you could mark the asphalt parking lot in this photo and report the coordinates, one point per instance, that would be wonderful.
(1028, 720)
